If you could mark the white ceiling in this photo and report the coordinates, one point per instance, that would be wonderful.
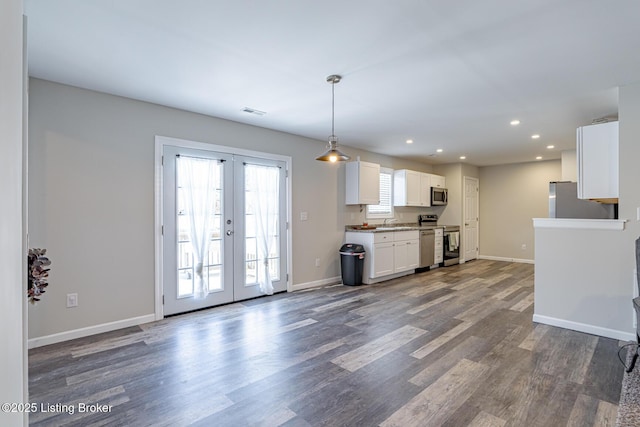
(447, 74)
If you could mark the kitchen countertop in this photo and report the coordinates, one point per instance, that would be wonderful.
(392, 227)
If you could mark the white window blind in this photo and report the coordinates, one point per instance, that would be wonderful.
(385, 208)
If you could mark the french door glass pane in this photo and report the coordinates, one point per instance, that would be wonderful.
(212, 265)
(265, 193)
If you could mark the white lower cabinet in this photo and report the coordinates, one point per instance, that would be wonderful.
(439, 253)
(382, 263)
(388, 254)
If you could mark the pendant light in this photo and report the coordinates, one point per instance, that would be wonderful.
(333, 154)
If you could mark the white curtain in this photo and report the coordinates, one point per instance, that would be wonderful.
(266, 199)
(197, 177)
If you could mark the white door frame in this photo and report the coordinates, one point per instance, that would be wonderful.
(160, 143)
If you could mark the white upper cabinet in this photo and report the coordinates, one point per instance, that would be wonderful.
(437, 181)
(411, 188)
(597, 157)
(407, 188)
(362, 183)
(425, 189)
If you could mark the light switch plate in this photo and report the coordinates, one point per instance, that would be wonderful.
(304, 216)
(72, 300)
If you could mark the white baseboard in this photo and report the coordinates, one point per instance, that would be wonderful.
(499, 258)
(317, 283)
(583, 327)
(89, 330)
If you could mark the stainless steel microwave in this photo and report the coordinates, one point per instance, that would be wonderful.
(439, 196)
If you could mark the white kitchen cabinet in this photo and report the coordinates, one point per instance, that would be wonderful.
(411, 188)
(406, 254)
(388, 254)
(362, 183)
(425, 189)
(439, 241)
(406, 187)
(437, 181)
(597, 159)
(382, 260)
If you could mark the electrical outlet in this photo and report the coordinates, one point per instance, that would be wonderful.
(304, 216)
(524, 246)
(72, 300)
(317, 262)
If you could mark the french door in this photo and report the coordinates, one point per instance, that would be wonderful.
(224, 228)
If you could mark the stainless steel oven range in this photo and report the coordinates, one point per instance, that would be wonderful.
(451, 245)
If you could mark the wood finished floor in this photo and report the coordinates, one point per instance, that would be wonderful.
(453, 346)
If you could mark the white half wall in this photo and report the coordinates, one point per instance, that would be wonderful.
(585, 277)
(581, 281)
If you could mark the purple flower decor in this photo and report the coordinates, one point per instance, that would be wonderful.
(38, 274)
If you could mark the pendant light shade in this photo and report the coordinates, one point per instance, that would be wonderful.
(333, 154)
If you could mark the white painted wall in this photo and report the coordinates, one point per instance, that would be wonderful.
(13, 378)
(510, 196)
(91, 200)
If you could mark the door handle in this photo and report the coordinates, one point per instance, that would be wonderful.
(229, 232)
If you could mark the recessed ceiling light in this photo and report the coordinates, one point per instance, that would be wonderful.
(409, 141)
(535, 136)
(463, 157)
(439, 150)
(515, 122)
(551, 146)
(539, 158)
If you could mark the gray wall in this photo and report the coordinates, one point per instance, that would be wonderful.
(13, 377)
(510, 196)
(91, 199)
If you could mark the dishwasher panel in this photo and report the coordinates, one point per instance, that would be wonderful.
(427, 248)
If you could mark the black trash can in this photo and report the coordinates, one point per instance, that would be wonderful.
(352, 262)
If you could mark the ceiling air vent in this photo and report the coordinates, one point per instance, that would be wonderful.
(253, 111)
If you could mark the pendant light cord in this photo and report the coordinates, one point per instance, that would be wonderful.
(333, 113)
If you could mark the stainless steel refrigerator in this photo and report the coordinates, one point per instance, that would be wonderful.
(564, 203)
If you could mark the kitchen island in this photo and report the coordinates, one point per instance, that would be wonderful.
(578, 270)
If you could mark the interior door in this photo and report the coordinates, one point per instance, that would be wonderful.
(224, 228)
(471, 217)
